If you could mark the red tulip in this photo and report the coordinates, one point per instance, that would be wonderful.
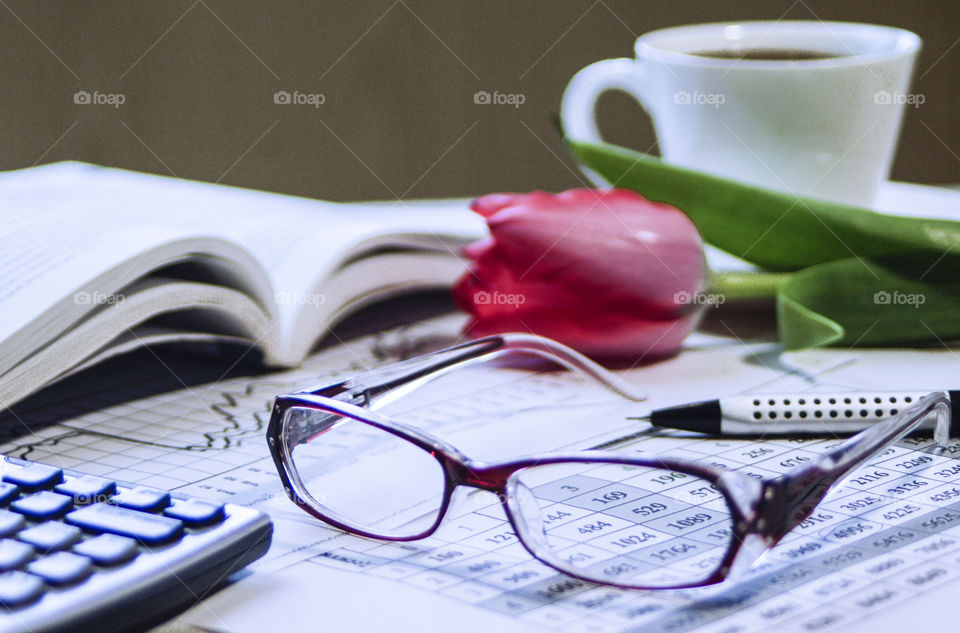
(606, 272)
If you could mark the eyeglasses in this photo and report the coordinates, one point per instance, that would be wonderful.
(630, 522)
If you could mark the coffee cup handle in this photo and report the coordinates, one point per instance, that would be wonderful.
(578, 105)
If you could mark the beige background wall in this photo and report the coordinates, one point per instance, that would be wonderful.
(198, 78)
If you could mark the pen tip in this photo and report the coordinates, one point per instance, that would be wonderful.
(701, 417)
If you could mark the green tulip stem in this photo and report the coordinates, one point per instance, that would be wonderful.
(735, 285)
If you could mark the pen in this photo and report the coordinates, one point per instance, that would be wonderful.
(794, 413)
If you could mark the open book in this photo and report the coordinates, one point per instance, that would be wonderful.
(97, 261)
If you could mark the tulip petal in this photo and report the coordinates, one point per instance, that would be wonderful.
(604, 246)
(488, 205)
(599, 270)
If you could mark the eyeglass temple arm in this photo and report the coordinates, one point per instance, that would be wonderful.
(365, 387)
(792, 498)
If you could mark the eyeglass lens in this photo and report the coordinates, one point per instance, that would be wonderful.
(623, 524)
(364, 477)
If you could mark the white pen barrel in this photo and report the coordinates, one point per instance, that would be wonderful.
(807, 412)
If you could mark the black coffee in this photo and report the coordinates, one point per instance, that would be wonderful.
(770, 54)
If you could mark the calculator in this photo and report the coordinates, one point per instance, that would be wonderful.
(85, 553)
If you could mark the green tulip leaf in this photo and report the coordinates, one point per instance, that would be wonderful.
(871, 302)
(802, 327)
(775, 230)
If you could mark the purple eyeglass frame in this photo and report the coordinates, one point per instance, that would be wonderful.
(762, 511)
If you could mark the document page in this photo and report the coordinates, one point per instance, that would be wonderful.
(885, 537)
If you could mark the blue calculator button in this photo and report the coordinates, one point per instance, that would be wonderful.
(50, 536)
(142, 498)
(61, 568)
(8, 492)
(18, 588)
(34, 477)
(107, 549)
(195, 512)
(87, 489)
(147, 528)
(10, 522)
(13, 554)
(42, 505)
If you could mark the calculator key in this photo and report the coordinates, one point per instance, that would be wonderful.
(141, 498)
(147, 528)
(194, 511)
(34, 477)
(107, 549)
(51, 536)
(13, 554)
(61, 568)
(8, 492)
(17, 588)
(42, 505)
(87, 489)
(10, 522)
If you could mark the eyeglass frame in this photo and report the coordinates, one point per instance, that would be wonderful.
(762, 511)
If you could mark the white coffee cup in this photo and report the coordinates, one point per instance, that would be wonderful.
(825, 127)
